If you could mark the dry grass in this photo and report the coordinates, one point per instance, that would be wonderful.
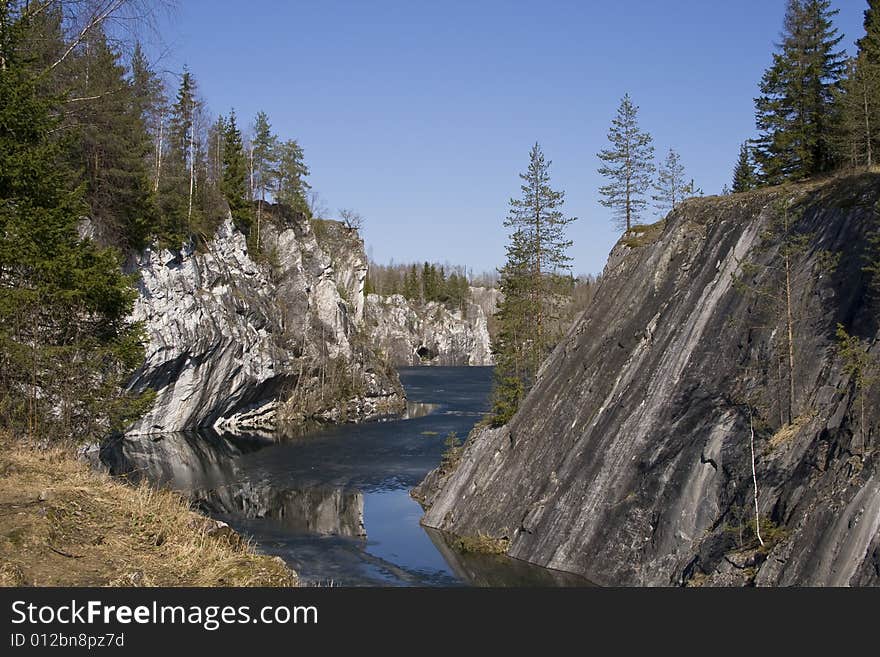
(787, 433)
(643, 234)
(62, 524)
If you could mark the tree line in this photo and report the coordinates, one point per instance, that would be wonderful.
(445, 284)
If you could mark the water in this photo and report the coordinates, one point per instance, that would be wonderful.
(334, 503)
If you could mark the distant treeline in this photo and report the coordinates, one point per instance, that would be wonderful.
(425, 282)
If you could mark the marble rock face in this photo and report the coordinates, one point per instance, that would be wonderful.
(241, 343)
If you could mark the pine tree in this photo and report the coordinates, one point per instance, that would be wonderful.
(234, 184)
(66, 346)
(744, 177)
(629, 164)
(291, 185)
(794, 110)
(533, 283)
(671, 185)
(265, 147)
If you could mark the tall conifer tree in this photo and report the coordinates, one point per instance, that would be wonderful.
(112, 146)
(533, 282)
(671, 186)
(291, 185)
(234, 183)
(744, 173)
(66, 346)
(629, 166)
(794, 111)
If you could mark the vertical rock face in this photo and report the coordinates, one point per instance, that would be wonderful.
(411, 333)
(629, 462)
(237, 342)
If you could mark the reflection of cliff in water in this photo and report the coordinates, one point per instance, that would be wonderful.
(182, 461)
(494, 570)
(323, 512)
(205, 468)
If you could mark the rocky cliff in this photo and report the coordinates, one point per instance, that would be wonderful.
(242, 342)
(630, 461)
(412, 333)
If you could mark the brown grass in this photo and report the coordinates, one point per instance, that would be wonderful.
(787, 433)
(62, 524)
(643, 234)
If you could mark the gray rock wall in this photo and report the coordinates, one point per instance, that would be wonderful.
(242, 343)
(629, 461)
(411, 333)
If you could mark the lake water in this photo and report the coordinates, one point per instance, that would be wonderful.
(334, 503)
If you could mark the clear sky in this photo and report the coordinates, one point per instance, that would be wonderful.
(420, 115)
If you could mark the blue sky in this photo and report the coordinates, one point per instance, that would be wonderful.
(420, 115)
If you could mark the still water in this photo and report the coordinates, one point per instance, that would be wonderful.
(334, 503)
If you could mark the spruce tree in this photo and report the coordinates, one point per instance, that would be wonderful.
(794, 111)
(533, 282)
(411, 287)
(744, 177)
(112, 148)
(177, 184)
(234, 183)
(629, 166)
(148, 97)
(510, 346)
(869, 45)
(291, 185)
(671, 186)
(66, 346)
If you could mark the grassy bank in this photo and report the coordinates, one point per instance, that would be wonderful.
(62, 524)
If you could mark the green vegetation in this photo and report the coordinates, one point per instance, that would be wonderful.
(629, 166)
(747, 536)
(768, 281)
(66, 347)
(795, 109)
(444, 284)
(744, 175)
(643, 234)
(480, 544)
(86, 132)
(234, 180)
(672, 186)
(863, 369)
(452, 456)
(535, 286)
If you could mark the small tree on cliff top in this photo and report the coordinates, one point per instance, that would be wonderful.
(629, 166)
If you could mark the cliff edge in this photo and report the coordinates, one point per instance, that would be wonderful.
(630, 462)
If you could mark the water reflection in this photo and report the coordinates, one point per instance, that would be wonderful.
(418, 409)
(334, 502)
(322, 512)
(491, 570)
